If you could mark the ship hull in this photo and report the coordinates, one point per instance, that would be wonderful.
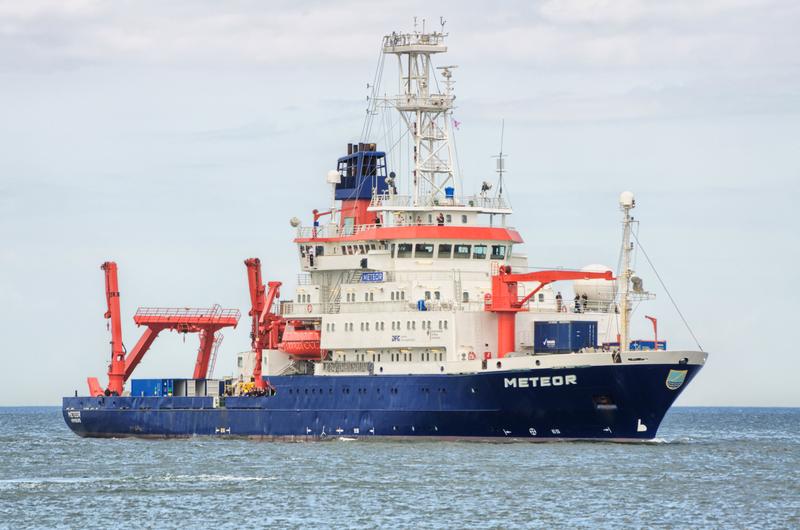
(611, 402)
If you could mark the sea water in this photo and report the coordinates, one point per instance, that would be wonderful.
(708, 468)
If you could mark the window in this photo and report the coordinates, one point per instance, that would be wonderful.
(404, 250)
(445, 250)
(465, 296)
(391, 295)
(461, 252)
(479, 252)
(320, 251)
(366, 297)
(448, 218)
(371, 297)
(437, 295)
(445, 324)
(423, 250)
(498, 252)
(541, 297)
(333, 326)
(402, 295)
(427, 295)
(391, 250)
(302, 251)
(367, 326)
(362, 326)
(464, 219)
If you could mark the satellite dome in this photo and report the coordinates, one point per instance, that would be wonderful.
(596, 289)
(294, 221)
(333, 177)
(626, 199)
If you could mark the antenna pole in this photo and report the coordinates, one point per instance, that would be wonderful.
(627, 203)
(501, 161)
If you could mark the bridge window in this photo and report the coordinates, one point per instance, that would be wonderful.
(462, 252)
(479, 252)
(404, 250)
(445, 250)
(498, 252)
(424, 250)
(320, 251)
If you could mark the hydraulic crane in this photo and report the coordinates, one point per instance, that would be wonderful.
(205, 321)
(267, 326)
(506, 303)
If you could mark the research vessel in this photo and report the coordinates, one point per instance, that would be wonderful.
(415, 315)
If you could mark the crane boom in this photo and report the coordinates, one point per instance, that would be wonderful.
(505, 301)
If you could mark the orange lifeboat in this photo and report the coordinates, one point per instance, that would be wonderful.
(301, 342)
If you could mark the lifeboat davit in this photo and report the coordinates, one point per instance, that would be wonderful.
(301, 342)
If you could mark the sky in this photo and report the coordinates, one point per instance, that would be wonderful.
(178, 138)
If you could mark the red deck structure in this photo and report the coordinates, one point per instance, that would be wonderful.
(506, 303)
(205, 321)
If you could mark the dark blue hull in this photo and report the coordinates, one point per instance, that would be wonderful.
(618, 402)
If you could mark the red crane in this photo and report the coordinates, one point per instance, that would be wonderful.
(267, 326)
(206, 321)
(506, 303)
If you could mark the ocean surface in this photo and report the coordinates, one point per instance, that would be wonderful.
(709, 468)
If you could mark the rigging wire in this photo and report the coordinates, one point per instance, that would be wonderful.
(685, 323)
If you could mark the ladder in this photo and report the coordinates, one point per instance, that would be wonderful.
(214, 348)
(335, 298)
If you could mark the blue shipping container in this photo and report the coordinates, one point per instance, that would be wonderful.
(146, 387)
(564, 336)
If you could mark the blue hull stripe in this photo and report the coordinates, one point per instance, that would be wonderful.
(483, 405)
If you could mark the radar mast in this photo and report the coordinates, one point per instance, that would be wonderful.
(425, 110)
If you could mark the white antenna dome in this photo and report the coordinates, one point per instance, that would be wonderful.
(596, 290)
(333, 177)
(626, 199)
(295, 222)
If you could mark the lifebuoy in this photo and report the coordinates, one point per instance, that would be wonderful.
(472, 356)
(309, 308)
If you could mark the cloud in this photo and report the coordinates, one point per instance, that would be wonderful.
(623, 33)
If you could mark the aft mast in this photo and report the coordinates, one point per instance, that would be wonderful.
(626, 204)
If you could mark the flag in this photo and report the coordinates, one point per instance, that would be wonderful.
(456, 124)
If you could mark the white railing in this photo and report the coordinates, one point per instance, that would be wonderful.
(407, 201)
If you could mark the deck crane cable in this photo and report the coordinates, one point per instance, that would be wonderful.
(674, 304)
